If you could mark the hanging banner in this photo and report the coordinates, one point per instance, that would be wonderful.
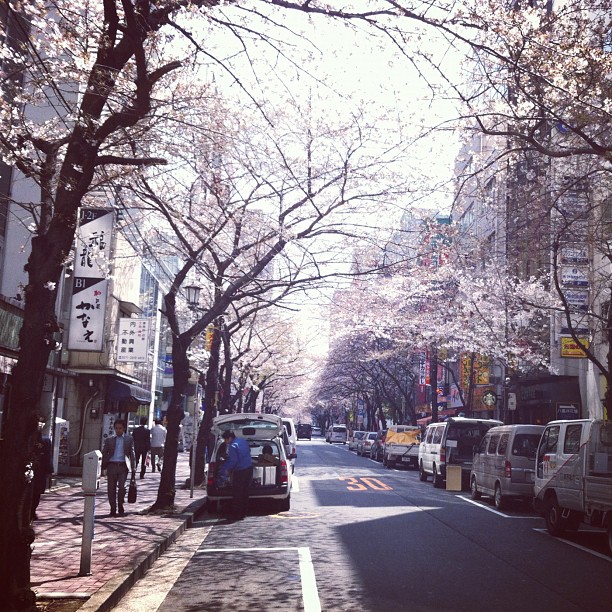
(87, 312)
(89, 289)
(93, 242)
(133, 340)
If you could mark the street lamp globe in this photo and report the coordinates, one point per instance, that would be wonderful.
(193, 295)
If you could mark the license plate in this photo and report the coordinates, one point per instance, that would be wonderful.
(406, 459)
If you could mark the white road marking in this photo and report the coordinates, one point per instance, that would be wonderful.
(489, 509)
(310, 593)
(151, 590)
(578, 546)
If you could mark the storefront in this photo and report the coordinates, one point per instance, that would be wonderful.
(545, 399)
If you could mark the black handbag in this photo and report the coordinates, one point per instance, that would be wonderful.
(132, 491)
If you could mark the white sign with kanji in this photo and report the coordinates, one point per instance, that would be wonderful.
(87, 311)
(133, 340)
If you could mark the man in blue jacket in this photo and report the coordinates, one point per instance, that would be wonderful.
(240, 465)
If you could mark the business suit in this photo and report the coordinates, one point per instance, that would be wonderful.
(117, 471)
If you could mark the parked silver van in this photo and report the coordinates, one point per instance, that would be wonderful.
(504, 463)
(451, 442)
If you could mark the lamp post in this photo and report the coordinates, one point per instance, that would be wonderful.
(192, 293)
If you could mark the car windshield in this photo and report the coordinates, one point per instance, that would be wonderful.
(372, 436)
(359, 434)
(339, 429)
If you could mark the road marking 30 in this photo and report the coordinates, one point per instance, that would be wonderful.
(355, 484)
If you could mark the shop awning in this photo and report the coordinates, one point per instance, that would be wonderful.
(118, 391)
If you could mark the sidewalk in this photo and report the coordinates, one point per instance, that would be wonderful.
(123, 548)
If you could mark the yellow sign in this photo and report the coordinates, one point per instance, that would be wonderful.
(480, 374)
(571, 348)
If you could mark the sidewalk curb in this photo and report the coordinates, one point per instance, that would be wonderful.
(110, 595)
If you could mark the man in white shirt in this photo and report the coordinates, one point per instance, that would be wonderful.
(158, 440)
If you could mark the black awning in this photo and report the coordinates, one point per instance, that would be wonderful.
(118, 390)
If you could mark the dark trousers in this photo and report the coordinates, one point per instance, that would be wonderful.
(241, 480)
(116, 475)
(141, 455)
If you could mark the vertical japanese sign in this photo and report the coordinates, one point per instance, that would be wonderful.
(133, 342)
(88, 304)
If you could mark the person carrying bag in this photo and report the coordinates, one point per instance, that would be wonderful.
(133, 490)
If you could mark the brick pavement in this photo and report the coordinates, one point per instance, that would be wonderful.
(123, 547)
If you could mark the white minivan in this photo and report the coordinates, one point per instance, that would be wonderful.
(336, 433)
(451, 442)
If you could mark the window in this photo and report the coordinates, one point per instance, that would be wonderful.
(548, 444)
(503, 444)
(525, 445)
(438, 435)
(493, 444)
(429, 435)
(572, 439)
(483, 445)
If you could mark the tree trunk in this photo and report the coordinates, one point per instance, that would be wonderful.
(16, 449)
(210, 405)
(433, 383)
(174, 416)
(228, 364)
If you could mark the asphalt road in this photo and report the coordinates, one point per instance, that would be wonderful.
(363, 537)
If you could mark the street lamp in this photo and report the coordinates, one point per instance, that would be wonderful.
(193, 295)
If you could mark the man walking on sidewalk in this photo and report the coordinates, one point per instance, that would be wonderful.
(118, 459)
(142, 444)
(158, 439)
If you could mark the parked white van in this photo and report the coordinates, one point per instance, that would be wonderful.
(504, 463)
(451, 442)
(336, 433)
(573, 481)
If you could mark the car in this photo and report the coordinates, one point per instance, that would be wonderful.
(304, 431)
(336, 433)
(364, 445)
(354, 438)
(292, 435)
(316, 431)
(378, 446)
(271, 482)
(504, 463)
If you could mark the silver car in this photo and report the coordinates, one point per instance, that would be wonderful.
(365, 444)
(354, 439)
